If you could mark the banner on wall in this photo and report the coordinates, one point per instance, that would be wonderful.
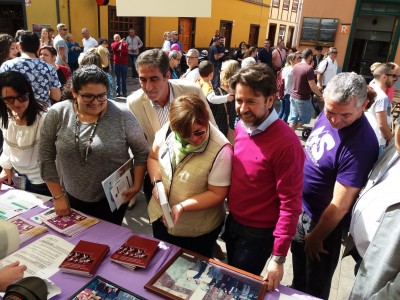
(170, 8)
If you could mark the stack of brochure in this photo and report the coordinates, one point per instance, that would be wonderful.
(27, 229)
(69, 225)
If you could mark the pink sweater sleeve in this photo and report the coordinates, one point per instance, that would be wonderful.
(289, 180)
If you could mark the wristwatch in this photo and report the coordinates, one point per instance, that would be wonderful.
(280, 260)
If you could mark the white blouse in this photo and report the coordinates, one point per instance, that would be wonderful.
(20, 148)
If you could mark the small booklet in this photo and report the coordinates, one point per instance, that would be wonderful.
(166, 209)
(69, 225)
(85, 258)
(135, 252)
(125, 173)
(27, 229)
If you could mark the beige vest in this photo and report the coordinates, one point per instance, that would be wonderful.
(189, 179)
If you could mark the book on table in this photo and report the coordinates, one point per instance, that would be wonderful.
(70, 225)
(135, 252)
(85, 258)
(27, 229)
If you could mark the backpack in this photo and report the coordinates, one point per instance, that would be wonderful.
(280, 85)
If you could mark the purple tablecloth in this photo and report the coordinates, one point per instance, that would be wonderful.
(114, 236)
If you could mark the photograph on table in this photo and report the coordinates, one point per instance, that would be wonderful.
(101, 289)
(191, 276)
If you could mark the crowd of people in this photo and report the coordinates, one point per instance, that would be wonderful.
(212, 134)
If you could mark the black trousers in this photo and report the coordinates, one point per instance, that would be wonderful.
(203, 244)
(100, 209)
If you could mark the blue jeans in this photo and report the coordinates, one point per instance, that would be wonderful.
(313, 277)
(248, 248)
(121, 72)
(285, 108)
(132, 62)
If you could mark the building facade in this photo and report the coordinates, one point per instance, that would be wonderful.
(363, 31)
(237, 20)
(282, 21)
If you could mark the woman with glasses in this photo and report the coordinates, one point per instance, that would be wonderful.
(192, 159)
(91, 137)
(174, 61)
(22, 118)
(287, 75)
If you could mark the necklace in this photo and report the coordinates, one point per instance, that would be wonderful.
(88, 150)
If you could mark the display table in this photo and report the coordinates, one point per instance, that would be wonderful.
(114, 236)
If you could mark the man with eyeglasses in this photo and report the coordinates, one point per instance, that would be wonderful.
(379, 114)
(327, 69)
(175, 39)
(61, 45)
(192, 60)
(151, 103)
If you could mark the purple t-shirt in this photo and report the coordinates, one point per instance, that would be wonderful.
(302, 74)
(346, 155)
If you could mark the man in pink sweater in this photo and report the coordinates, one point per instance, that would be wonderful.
(267, 179)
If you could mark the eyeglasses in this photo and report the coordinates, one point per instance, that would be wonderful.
(65, 29)
(87, 98)
(175, 34)
(189, 57)
(334, 52)
(9, 100)
(198, 132)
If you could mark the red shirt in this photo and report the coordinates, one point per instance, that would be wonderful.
(120, 52)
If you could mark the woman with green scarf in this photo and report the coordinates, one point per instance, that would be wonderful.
(192, 159)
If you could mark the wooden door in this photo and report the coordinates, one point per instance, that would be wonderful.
(253, 35)
(186, 33)
(272, 33)
(225, 30)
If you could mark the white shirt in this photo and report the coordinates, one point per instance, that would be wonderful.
(381, 103)
(287, 75)
(191, 75)
(21, 146)
(89, 44)
(330, 71)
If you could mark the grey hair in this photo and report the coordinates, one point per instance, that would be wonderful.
(195, 51)
(174, 54)
(345, 87)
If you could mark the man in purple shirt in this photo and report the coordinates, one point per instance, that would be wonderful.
(340, 153)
